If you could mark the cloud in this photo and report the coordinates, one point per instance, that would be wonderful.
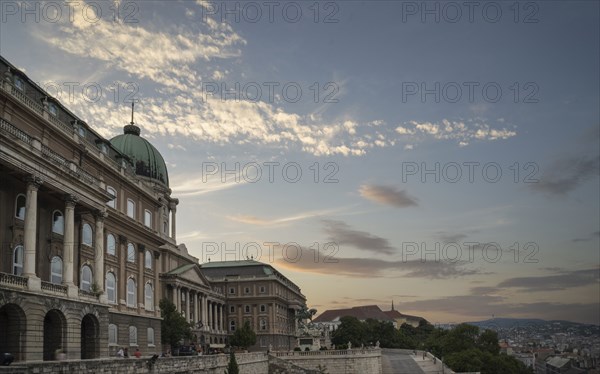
(556, 282)
(451, 237)
(388, 196)
(565, 175)
(327, 262)
(592, 236)
(342, 234)
(180, 60)
(254, 220)
(463, 132)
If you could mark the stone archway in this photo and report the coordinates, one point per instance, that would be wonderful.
(90, 337)
(54, 333)
(13, 324)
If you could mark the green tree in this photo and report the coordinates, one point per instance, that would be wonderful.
(465, 361)
(488, 342)
(173, 326)
(243, 337)
(232, 367)
(460, 338)
(350, 330)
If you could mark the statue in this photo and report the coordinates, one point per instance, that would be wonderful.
(349, 345)
(377, 344)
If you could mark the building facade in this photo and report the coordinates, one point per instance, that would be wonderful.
(260, 295)
(88, 237)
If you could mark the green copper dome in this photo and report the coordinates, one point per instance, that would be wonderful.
(146, 159)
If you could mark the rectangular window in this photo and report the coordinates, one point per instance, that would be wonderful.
(262, 289)
(247, 290)
(150, 337)
(147, 218)
(132, 335)
(112, 334)
(130, 208)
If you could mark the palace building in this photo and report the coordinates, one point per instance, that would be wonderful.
(88, 243)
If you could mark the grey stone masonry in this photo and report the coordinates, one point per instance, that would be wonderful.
(249, 363)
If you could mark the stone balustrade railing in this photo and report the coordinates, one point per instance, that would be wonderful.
(13, 280)
(52, 287)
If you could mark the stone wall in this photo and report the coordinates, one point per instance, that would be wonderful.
(351, 361)
(249, 363)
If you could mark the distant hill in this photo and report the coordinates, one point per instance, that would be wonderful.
(507, 323)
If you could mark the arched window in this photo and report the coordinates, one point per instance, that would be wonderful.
(232, 325)
(58, 222)
(131, 208)
(130, 252)
(111, 244)
(148, 259)
(18, 260)
(150, 337)
(20, 206)
(56, 270)
(131, 293)
(111, 288)
(132, 335)
(113, 202)
(86, 278)
(86, 235)
(149, 296)
(112, 334)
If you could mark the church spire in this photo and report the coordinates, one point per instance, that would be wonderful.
(392, 304)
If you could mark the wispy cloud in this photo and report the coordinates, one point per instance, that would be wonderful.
(329, 263)
(388, 195)
(254, 220)
(562, 280)
(592, 236)
(567, 172)
(461, 131)
(342, 234)
(182, 58)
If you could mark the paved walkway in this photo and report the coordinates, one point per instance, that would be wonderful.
(397, 362)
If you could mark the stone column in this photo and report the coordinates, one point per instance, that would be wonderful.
(210, 314)
(173, 207)
(157, 293)
(204, 312)
(222, 314)
(176, 298)
(196, 308)
(141, 297)
(69, 245)
(30, 242)
(122, 283)
(99, 255)
(187, 304)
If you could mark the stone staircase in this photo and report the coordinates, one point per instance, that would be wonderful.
(279, 366)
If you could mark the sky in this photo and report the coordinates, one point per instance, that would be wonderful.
(440, 155)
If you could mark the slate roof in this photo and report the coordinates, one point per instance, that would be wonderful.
(360, 312)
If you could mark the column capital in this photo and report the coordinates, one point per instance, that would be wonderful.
(71, 200)
(122, 239)
(100, 215)
(33, 181)
(156, 255)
